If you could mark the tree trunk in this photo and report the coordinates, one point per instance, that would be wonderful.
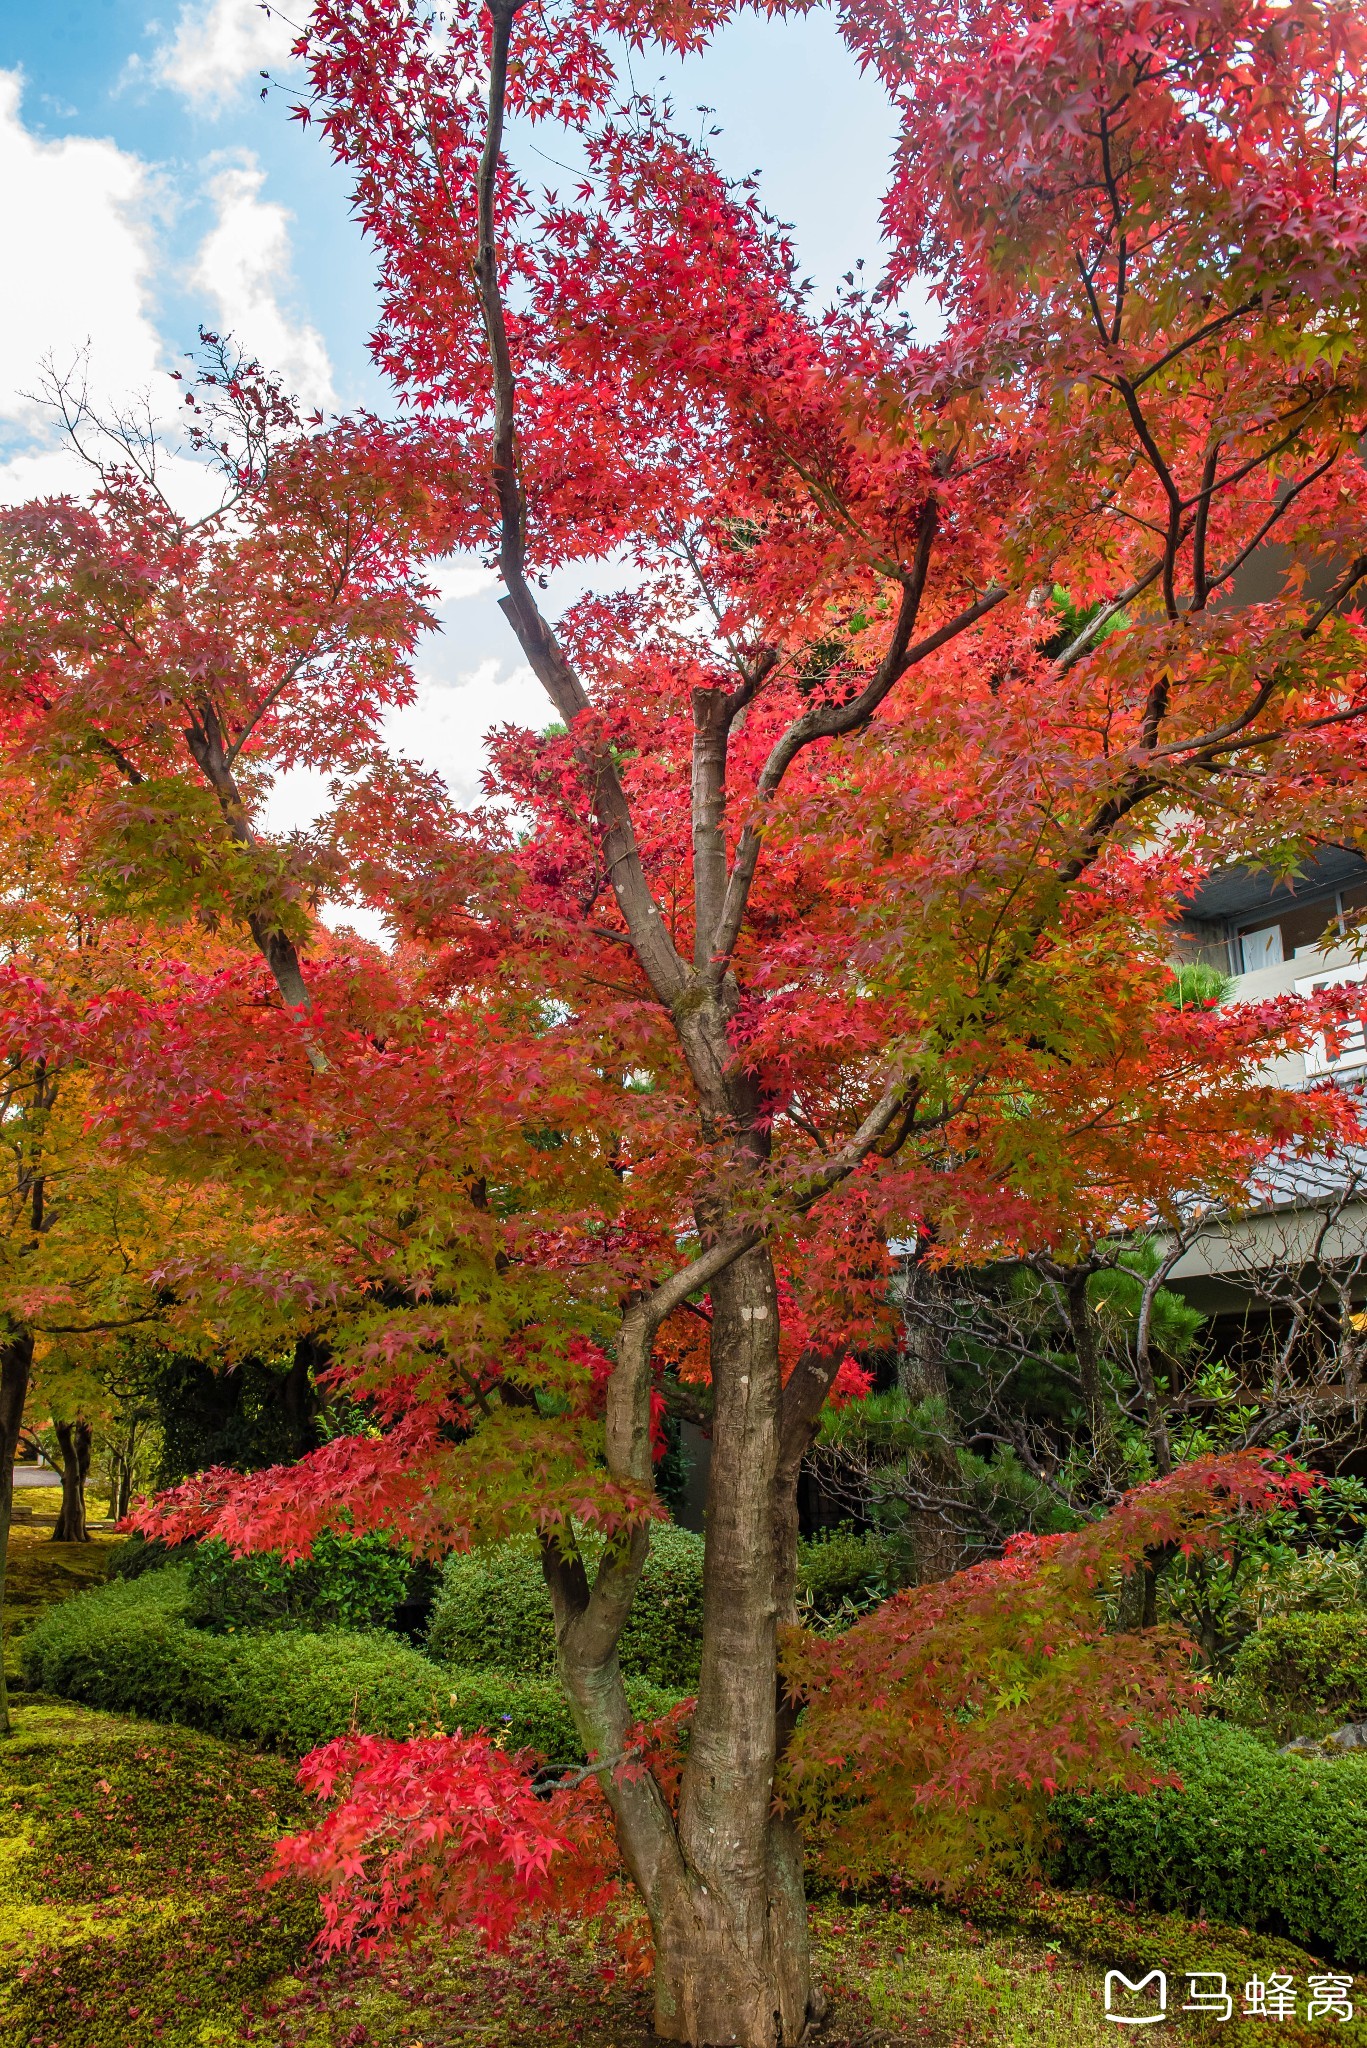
(73, 1440)
(16, 1361)
(722, 1880)
(922, 1375)
(297, 1395)
(732, 1959)
(921, 1369)
(1156, 1421)
(1100, 1421)
(121, 1473)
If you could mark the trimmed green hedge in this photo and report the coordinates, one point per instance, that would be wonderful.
(1254, 1837)
(126, 1646)
(493, 1612)
(1306, 1667)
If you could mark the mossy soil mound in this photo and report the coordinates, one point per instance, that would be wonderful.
(132, 1914)
(1029, 1971)
(130, 1906)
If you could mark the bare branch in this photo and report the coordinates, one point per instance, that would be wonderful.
(621, 854)
(1190, 341)
(1354, 574)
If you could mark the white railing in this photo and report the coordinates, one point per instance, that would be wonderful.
(1311, 967)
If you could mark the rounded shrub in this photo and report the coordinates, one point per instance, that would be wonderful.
(842, 1569)
(127, 1647)
(493, 1612)
(1302, 1668)
(1261, 1839)
(345, 1582)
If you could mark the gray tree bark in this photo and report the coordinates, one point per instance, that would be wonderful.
(922, 1375)
(722, 1879)
(73, 1441)
(16, 1363)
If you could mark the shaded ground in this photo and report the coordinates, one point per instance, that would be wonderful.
(131, 1914)
(41, 1572)
(913, 1979)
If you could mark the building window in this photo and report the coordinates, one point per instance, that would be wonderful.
(1262, 948)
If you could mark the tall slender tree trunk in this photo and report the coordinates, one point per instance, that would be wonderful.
(73, 1440)
(922, 1374)
(1105, 1448)
(121, 1474)
(722, 1878)
(297, 1395)
(1155, 1416)
(16, 1363)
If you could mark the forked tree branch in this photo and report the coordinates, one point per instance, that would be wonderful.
(1279, 511)
(1354, 574)
(628, 1392)
(830, 721)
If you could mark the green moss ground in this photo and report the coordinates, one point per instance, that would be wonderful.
(131, 1915)
(917, 1978)
(131, 1912)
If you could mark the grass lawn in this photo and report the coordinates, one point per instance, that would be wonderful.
(131, 1914)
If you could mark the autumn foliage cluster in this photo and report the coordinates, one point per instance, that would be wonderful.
(933, 1737)
(939, 1728)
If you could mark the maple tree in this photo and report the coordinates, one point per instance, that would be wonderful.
(79, 1228)
(939, 1727)
(833, 906)
(164, 664)
(149, 653)
(936, 1732)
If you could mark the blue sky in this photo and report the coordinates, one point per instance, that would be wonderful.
(149, 188)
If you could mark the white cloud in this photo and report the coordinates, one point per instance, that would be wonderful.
(358, 918)
(243, 268)
(458, 577)
(77, 252)
(217, 47)
(296, 798)
(445, 727)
